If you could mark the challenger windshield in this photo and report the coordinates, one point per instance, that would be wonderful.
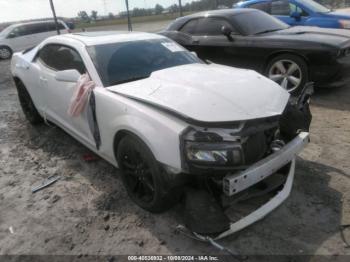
(123, 62)
(257, 22)
(314, 6)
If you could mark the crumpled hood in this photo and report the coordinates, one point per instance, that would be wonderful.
(209, 93)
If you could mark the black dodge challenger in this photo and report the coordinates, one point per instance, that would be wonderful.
(249, 38)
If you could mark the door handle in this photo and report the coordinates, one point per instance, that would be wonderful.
(43, 79)
(195, 41)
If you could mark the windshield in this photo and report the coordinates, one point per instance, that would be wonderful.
(314, 6)
(6, 30)
(124, 62)
(257, 22)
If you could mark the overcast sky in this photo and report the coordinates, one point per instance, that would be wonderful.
(13, 10)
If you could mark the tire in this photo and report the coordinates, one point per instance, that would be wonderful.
(28, 107)
(5, 52)
(295, 74)
(142, 176)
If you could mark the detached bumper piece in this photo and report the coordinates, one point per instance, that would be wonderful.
(265, 167)
(237, 185)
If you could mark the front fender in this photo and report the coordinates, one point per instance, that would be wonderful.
(157, 129)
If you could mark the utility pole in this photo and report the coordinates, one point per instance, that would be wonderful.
(217, 4)
(54, 17)
(128, 14)
(180, 6)
(105, 7)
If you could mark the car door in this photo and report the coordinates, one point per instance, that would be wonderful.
(209, 43)
(54, 58)
(288, 12)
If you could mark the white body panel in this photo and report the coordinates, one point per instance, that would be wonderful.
(209, 93)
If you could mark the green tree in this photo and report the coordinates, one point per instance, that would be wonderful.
(83, 16)
(158, 9)
(94, 15)
(110, 15)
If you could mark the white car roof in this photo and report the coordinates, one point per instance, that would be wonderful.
(106, 37)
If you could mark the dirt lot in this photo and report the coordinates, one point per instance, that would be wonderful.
(88, 211)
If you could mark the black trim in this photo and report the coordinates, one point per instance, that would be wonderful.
(94, 128)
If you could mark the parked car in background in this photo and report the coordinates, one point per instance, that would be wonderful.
(300, 12)
(250, 38)
(18, 37)
(168, 120)
(70, 24)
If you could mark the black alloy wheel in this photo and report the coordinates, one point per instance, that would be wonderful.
(142, 176)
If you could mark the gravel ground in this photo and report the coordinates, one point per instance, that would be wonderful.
(88, 211)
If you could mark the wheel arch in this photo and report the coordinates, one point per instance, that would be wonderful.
(285, 52)
(2, 45)
(161, 139)
(120, 134)
(17, 80)
(6, 46)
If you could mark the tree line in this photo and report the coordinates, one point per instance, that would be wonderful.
(196, 5)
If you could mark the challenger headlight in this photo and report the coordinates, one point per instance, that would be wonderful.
(345, 24)
(343, 52)
(218, 154)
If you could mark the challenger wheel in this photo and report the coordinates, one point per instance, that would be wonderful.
(289, 71)
(142, 176)
(5, 52)
(27, 105)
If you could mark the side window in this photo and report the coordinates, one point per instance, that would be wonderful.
(211, 26)
(52, 26)
(280, 7)
(189, 27)
(19, 31)
(61, 26)
(294, 8)
(59, 58)
(36, 28)
(263, 6)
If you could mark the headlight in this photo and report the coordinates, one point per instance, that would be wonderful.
(344, 24)
(217, 154)
(343, 52)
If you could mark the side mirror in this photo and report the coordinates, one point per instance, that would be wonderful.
(227, 32)
(296, 16)
(71, 75)
(194, 53)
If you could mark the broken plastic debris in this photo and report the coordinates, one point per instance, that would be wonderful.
(89, 157)
(47, 182)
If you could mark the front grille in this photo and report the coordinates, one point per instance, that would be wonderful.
(254, 148)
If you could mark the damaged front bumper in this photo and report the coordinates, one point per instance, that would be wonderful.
(235, 183)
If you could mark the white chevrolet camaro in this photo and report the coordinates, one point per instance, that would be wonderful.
(168, 120)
